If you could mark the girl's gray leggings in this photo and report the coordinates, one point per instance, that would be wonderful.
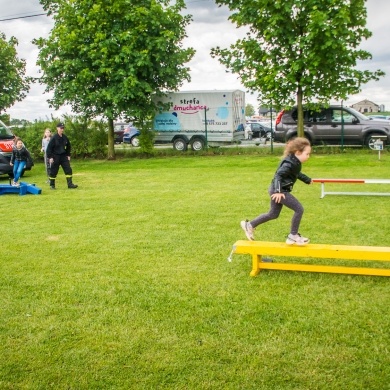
(275, 208)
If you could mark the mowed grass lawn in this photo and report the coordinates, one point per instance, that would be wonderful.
(124, 283)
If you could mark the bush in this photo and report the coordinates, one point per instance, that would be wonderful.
(32, 135)
(88, 137)
(146, 137)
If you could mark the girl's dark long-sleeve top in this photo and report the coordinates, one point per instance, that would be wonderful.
(20, 154)
(58, 145)
(289, 170)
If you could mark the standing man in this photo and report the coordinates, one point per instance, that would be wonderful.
(58, 154)
(248, 131)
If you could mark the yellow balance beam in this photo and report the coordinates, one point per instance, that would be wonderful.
(259, 248)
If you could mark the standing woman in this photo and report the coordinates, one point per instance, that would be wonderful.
(45, 141)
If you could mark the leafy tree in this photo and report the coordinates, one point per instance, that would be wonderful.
(19, 122)
(249, 110)
(107, 58)
(299, 50)
(6, 118)
(13, 83)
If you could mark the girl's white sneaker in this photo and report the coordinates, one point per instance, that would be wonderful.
(248, 229)
(296, 239)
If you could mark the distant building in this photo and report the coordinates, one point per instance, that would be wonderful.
(366, 106)
(266, 111)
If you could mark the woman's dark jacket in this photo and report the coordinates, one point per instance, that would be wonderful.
(289, 170)
(20, 154)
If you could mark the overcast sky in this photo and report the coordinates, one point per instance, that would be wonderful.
(210, 28)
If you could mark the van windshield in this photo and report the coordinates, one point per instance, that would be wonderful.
(5, 132)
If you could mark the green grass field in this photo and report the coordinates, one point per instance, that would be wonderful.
(124, 283)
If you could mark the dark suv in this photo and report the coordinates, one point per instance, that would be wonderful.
(260, 130)
(332, 125)
(119, 129)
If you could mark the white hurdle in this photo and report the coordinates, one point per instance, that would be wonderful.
(352, 181)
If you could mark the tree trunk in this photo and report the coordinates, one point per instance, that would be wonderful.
(110, 143)
(300, 112)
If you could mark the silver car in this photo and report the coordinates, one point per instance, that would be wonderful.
(334, 125)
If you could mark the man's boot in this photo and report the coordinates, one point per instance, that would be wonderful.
(70, 184)
(52, 184)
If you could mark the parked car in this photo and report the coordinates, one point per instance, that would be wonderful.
(331, 125)
(260, 130)
(6, 144)
(131, 136)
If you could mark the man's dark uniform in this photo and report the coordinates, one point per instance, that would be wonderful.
(59, 150)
